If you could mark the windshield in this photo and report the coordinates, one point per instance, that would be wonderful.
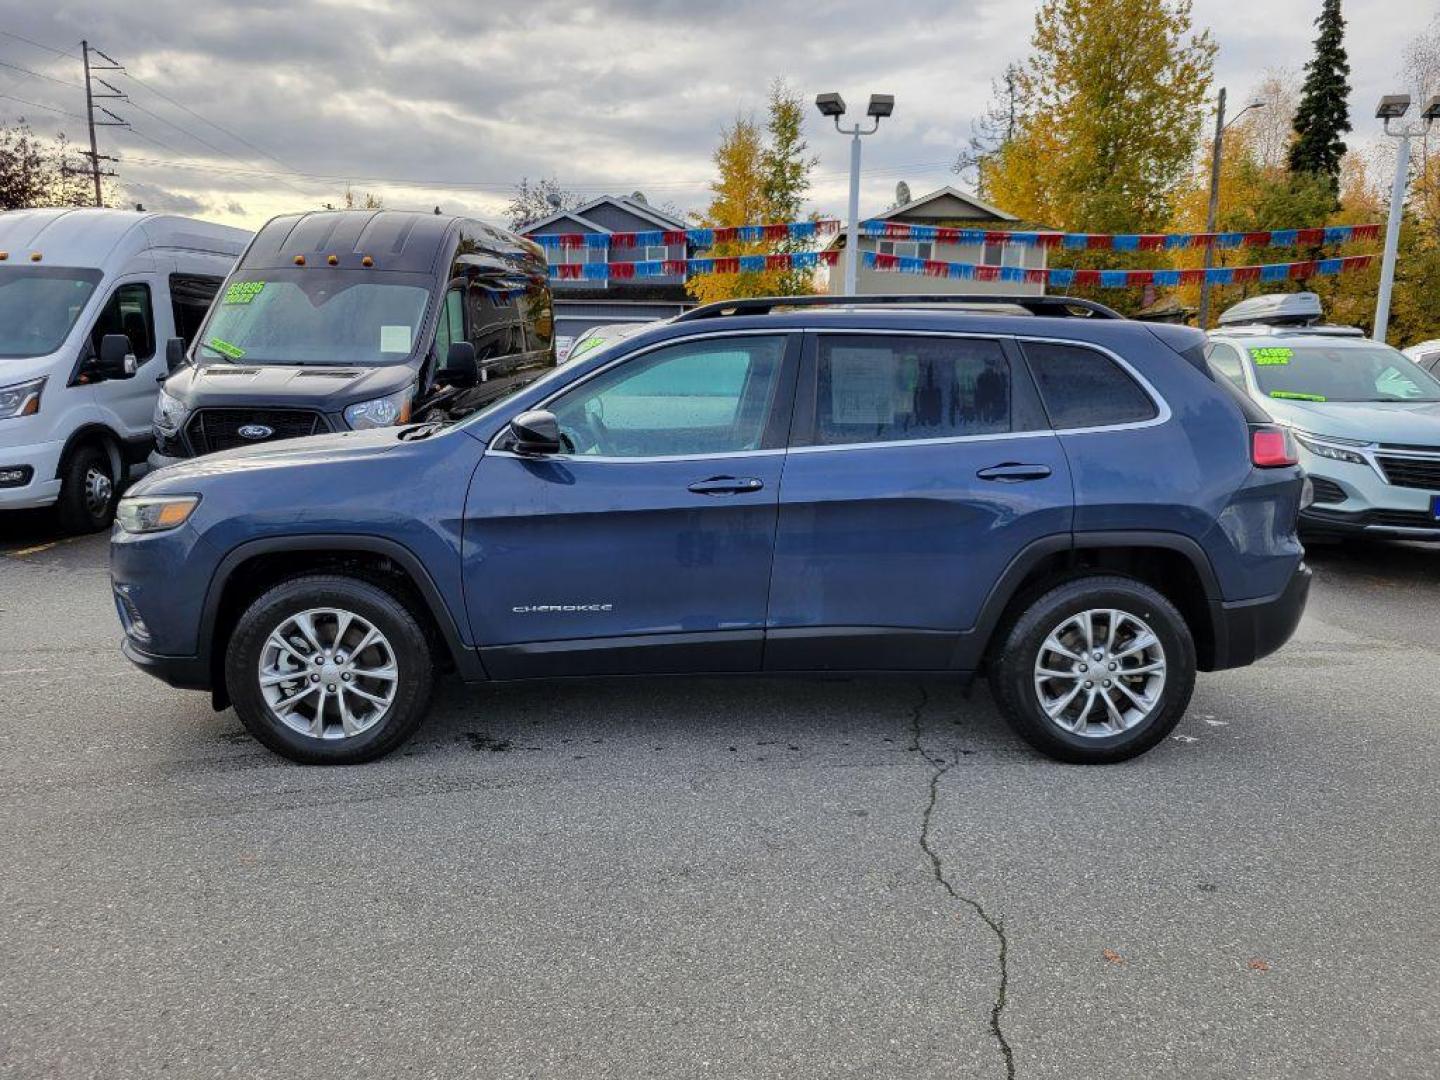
(1340, 373)
(317, 316)
(39, 305)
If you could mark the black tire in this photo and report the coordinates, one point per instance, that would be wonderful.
(1012, 669)
(385, 611)
(78, 508)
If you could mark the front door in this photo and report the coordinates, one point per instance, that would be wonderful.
(921, 466)
(131, 310)
(645, 546)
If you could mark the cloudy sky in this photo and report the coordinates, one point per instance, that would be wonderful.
(244, 109)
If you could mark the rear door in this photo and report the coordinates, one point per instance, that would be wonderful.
(920, 466)
(646, 546)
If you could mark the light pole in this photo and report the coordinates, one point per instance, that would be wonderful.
(1214, 209)
(833, 106)
(1393, 107)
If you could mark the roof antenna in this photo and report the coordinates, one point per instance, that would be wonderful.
(437, 211)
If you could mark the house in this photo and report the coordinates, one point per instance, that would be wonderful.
(581, 304)
(947, 208)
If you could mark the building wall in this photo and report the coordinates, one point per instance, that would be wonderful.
(614, 219)
(889, 283)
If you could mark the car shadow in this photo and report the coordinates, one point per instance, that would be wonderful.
(1397, 562)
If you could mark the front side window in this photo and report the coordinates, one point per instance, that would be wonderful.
(451, 325)
(1340, 372)
(885, 389)
(39, 305)
(1084, 388)
(697, 397)
(318, 315)
(127, 312)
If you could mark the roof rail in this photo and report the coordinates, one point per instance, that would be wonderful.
(1061, 306)
(1281, 329)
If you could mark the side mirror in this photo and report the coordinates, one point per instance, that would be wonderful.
(460, 368)
(536, 432)
(116, 360)
(174, 354)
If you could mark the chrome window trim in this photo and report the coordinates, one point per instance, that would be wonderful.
(1162, 407)
(490, 447)
(634, 460)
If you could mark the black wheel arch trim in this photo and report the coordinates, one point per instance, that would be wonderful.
(466, 659)
(974, 642)
(115, 445)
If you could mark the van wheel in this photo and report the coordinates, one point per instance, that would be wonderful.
(329, 670)
(87, 491)
(1096, 670)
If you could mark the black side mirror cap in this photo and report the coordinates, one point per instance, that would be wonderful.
(116, 360)
(536, 432)
(460, 369)
(174, 354)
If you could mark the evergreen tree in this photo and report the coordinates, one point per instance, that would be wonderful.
(1324, 116)
(786, 168)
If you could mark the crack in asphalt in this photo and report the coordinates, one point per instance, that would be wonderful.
(938, 768)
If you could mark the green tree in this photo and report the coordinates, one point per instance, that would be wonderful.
(785, 165)
(39, 172)
(1323, 114)
(1108, 115)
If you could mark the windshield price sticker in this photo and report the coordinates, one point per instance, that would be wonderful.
(224, 348)
(1271, 356)
(242, 292)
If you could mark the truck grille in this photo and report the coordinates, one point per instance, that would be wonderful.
(210, 430)
(1411, 472)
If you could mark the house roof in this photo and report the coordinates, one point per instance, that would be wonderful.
(908, 210)
(631, 206)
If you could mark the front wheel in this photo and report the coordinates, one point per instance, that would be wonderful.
(88, 489)
(1096, 670)
(329, 670)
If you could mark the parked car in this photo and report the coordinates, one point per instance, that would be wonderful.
(601, 336)
(1427, 355)
(85, 296)
(1366, 418)
(1075, 505)
(353, 319)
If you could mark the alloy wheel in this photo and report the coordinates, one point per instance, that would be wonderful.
(1100, 672)
(328, 673)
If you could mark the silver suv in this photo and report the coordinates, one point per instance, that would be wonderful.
(1366, 418)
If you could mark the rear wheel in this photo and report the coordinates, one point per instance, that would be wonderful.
(329, 670)
(88, 491)
(1096, 670)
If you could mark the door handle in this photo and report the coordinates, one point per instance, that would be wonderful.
(1012, 472)
(726, 485)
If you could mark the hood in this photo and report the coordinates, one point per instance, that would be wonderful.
(1408, 423)
(308, 453)
(330, 389)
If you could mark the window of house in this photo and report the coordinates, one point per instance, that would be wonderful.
(128, 312)
(994, 254)
(1084, 388)
(907, 249)
(1012, 255)
(886, 389)
(656, 253)
(700, 397)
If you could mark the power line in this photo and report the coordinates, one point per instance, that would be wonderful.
(47, 48)
(40, 105)
(41, 75)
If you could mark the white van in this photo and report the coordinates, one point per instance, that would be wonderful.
(89, 300)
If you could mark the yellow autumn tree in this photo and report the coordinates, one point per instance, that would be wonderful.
(737, 197)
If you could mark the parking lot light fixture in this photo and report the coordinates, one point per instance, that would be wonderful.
(833, 106)
(1391, 108)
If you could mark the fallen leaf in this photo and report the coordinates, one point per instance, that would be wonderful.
(1257, 964)
(1112, 956)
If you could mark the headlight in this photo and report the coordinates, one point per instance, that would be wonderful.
(381, 412)
(22, 399)
(1334, 449)
(154, 513)
(170, 413)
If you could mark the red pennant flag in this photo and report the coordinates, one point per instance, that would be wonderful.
(622, 240)
(1087, 277)
(987, 273)
(897, 230)
(996, 236)
(674, 236)
(569, 271)
(1035, 277)
(571, 240)
(946, 234)
(729, 265)
(936, 268)
(1245, 273)
(830, 257)
(675, 267)
(1365, 232)
(724, 236)
(1139, 277)
(1050, 240)
(1099, 242)
(1309, 237)
(777, 262)
(622, 270)
(1192, 277)
(775, 232)
(827, 226)
(887, 262)
(1303, 269)
(1152, 241)
(1358, 262)
(1256, 239)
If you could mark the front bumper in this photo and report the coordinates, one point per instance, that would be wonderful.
(182, 672)
(1247, 630)
(43, 487)
(1322, 521)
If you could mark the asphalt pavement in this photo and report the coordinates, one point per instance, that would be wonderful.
(724, 877)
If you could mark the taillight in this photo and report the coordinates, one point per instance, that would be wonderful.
(1272, 448)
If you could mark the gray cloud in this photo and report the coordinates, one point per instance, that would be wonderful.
(606, 95)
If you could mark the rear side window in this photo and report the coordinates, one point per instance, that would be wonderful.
(888, 389)
(1225, 360)
(190, 297)
(1084, 388)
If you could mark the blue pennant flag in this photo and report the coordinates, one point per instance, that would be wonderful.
(702, 266)
(1114, 279)
(1127, 242)
(1275, 272)
(1062, 278)
(805, 260)
(752, 262)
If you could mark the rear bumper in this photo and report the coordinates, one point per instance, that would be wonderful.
(182, 672)
(1246, 630)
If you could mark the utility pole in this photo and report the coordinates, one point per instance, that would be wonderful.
(90, 98)
(1213, 210)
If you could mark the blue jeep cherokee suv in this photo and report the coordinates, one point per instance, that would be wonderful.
(1031, 487)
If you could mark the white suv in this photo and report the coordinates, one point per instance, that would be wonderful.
(1367, 420)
